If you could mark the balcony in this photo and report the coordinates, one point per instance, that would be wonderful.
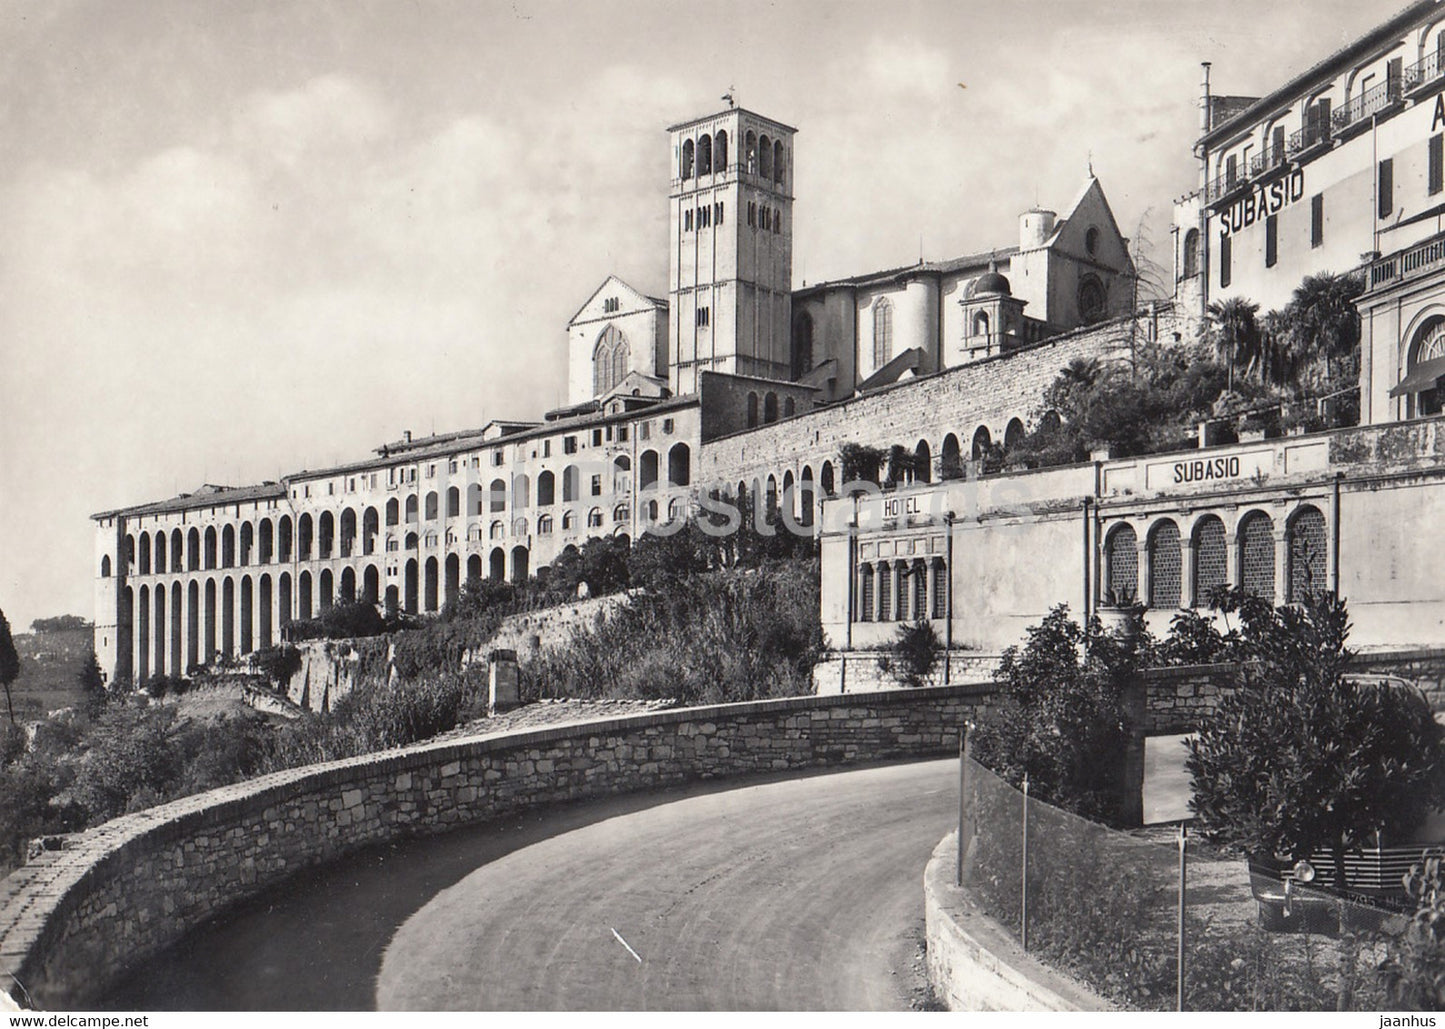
(1422, 258)
(1314, 137)
(1418, 78)
(1357, 112)
(1223, 187)
(1268, 160)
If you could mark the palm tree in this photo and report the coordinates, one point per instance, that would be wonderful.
(1235, 329)
(1323, 316)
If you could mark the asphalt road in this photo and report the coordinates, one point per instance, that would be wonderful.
(797, 893)
(801, 894)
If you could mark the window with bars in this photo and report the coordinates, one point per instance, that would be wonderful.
(940, 588)
(885, 583)
(920, 590)
(1307, 550)
(905, 580)
(1164, 566)
(1211, 559)
(865, 594)
(1122, 554)
(1256, 554)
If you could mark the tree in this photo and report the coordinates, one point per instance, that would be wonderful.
(1324, 322)
(1302, 758)
(9, 664)
(1234, 328)
(860, 463)
(92, 685)
(1064, 724)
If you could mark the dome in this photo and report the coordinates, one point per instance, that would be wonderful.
(990, 282)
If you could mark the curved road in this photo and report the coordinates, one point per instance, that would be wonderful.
(801, 893)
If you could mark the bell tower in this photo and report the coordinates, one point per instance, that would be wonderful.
(731, 267)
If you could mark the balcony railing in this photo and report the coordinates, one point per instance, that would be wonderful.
(1424, 72)
(1426, 256)
(1372, 101)
(1312, 135)
(1218, 188)
(1269, 158)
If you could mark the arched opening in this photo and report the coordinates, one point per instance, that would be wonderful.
(544, 525)
(807, 496)
(571, 484)
(885, 592)
(144, 560)
(370, 584)
(497, 565)
(474, 571)
(546, 489)
(177, 555)
(720, 152)
(178, 666)
(411, 508)
(1308, 546)
(158, 657)
(228, 617)
(430, 584)
(750, 152)
(370, 529)
(209, 548)
(594, 518)
(454, 502)
(143, 635)
(193, 550)
(248, 614)
(326, 590)
(1165, 566)
(265, 541)
(453, 579)
(303, 596)
(348, 585)
(393, 512)
(980, 325)
(519, 565)
(412, 541)
(521, 486)
(348, 532)
(410, 587)
(303, 536)
(752, 410)
(474, 500)
(621, 474)
(802, 361)
(208, 638)
(826, 480)
(704, 155)
(778, 161)
(1121, 566)
(248, 544)
(1013, 434)
(982, 443)
(105, 566)
(283, 596)
(264, 605)
(283, 547)
(393, 602)
(1256, 555)
(687, 159)
(922, 462)
(1211, 559)
(950, 465)
(1191, 254)
(193, 624)
(679, 465)
(431, 506)
(647, 465)
(497, 496)
(882, 332)
(770, 408)
(765, 157)
(228, 547)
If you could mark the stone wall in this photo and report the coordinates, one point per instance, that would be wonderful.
(974, 964)
(987, 393)
(1424, 666)
(861, 671)
(75, 919)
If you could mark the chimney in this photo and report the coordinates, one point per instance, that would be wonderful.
(406, 436)
(1204, 100)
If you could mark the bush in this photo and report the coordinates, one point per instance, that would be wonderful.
(1413, 972)
(347, 621)
(915, 653)
(278, 664)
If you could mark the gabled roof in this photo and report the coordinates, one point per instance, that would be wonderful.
(905, 365)
(613, 282)
(208, 495)
(948, 267)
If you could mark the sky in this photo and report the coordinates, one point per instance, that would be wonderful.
(240, 238)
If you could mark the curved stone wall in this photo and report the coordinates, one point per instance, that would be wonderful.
(974, 964)
(73, 920)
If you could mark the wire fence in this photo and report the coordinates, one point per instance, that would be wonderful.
(1121, 913)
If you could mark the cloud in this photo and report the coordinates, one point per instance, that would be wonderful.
(906, 68)
(328, 114)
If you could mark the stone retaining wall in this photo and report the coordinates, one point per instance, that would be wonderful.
(974, 964)
(75, 919)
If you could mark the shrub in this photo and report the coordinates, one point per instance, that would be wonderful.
(1413, 972)
(278, 664)
(915, 653)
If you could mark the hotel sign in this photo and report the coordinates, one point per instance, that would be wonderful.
(1269, 198)
(1207, 470)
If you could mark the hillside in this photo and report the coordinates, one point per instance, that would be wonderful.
(50, 663)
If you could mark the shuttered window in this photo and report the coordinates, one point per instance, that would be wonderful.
(1387, 187)
(1225, 260)
(1317, 219)
(1437, 163)
(1271, 241)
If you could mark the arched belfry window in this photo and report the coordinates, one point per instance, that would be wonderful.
(610, 360)
(765, 157)
(777, 161)
(720, 151)
(687, 159)
(750, 152)
(882, 332)
(704, 156)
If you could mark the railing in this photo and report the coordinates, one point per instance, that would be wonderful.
(1223, 185)
(1312, 135)
(1422, 257)
(1368, 103)
(1426, 70)
(1268, 159)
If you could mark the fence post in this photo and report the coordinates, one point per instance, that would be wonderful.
(1183, 875)
(1024, 892)
(963, 759)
